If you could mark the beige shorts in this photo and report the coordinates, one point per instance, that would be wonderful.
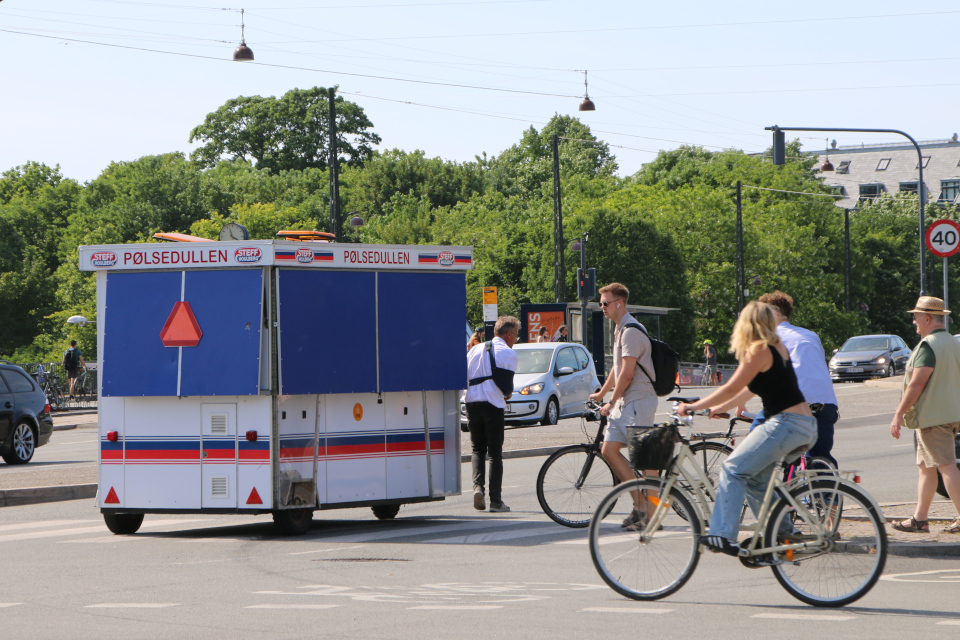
(936, 445)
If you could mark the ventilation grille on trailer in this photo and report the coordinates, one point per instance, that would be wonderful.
(218, 487)
(218, 424)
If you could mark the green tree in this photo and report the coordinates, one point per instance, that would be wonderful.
(287, 133)
(526, 168)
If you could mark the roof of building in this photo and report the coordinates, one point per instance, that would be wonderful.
(871, 170)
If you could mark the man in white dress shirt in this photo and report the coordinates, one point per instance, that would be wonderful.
(810, 364)
(489, 389)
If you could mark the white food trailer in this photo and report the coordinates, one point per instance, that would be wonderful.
(276, 376)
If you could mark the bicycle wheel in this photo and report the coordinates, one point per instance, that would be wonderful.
(851, 559)
(636, 564)
(571, 484)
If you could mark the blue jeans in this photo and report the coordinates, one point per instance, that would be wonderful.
(826, 417)
(748, 469)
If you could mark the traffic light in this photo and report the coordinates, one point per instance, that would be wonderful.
(587, 284)
(779, 148)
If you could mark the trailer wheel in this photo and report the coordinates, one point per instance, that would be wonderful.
(386, 511)
(123, 524)
(293, 522)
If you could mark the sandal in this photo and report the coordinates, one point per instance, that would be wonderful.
(953, 527)
(912, 525)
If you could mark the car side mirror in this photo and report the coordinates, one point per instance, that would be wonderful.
(565, 371)
(835, 350)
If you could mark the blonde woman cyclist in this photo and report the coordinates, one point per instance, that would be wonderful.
(764, 370)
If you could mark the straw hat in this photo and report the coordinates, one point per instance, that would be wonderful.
(931, 305)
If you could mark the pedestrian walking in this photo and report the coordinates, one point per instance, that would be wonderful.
(930, 405)
(72, 361)
(490, 369)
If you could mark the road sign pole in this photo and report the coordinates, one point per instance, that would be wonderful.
(946, 293)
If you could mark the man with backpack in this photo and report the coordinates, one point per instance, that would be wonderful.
(72, 361)
(490, 369)
(633, 402)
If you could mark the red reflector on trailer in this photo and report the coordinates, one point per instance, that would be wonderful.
(252, 436)
(254, 497)
(856, 479)
(112, 497)
(113, 436)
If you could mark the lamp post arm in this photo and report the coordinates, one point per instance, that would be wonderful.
(920, 192)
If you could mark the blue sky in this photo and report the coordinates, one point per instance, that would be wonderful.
(661, 74)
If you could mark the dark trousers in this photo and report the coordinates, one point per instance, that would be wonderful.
(486, 437)
(826, 416)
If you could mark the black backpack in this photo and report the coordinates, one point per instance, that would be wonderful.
(70, 359)
(666, 364)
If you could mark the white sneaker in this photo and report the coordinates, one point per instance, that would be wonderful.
(499, 508)
(478, 502)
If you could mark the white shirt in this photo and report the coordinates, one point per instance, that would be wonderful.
(478, 366)
(809, 363)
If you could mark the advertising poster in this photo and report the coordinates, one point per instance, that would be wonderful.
(549, 319)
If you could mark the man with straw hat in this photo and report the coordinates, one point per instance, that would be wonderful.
(930, 405)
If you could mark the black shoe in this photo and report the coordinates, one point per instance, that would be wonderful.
(719, 544)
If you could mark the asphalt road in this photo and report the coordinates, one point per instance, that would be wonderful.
(439, 569)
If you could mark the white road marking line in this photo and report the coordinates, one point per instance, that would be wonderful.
(70, 532)
(292, 606)
(802, 616)
(482, 538)
(625, 537)
(40, 525)
(9, 604)
(399, 533)
(897, 446)
(454, 607)
(133, 605)
(110, 539)
(955, 623)
(301, 553)
(625, 610)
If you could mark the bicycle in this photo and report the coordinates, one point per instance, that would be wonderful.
(813, 557)
(53, 391)
(570, 484)
(83, 387)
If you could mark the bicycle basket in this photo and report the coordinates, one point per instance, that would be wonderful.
(652, 447)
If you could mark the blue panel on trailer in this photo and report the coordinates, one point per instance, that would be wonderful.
(328, 340)
(135, 362)
(422, 316)
(227, 305)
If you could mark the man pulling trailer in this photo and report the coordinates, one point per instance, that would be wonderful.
(277, 376)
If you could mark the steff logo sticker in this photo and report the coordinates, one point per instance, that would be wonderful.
(304, 256)
(248, 255)
(445, 258)
(103, 259)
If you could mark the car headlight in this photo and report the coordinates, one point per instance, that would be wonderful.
(531, 389)
(880, 360)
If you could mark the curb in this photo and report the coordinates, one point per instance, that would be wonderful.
(64, 427)
(36, 495)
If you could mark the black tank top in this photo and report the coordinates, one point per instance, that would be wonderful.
(777, 386)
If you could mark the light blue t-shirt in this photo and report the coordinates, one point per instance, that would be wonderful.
(809, 363)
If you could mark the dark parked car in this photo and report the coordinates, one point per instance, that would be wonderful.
(865, 357)
(25, 421)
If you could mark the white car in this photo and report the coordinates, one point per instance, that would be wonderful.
(553, 381)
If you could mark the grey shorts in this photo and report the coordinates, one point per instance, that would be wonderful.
(636, 413)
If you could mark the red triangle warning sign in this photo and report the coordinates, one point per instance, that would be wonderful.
(181, 328)
(112, 497)
(254, 497)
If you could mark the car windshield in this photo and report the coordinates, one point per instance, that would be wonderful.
(533, 360)
(866, 344)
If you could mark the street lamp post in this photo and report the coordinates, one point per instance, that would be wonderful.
(559, 275)
(585, 282)
(778, 158)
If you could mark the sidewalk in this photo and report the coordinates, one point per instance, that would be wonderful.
(65, 420)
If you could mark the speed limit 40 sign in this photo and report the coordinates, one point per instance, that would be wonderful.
(943, 238)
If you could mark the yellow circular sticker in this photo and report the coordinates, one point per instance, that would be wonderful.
(357, 412)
